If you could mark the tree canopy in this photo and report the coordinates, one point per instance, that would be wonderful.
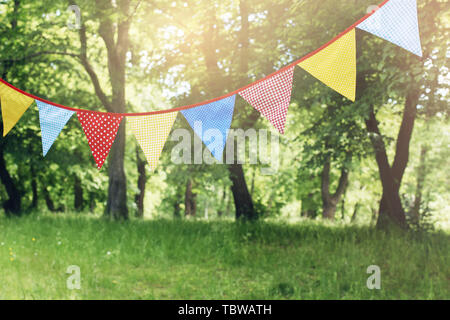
(338, 159)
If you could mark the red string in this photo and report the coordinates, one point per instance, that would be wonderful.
(212, 100)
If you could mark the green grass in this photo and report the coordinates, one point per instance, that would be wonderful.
(165, 259)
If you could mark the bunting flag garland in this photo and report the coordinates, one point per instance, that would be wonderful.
(101, 130)
(272, 97)
(216, 115)
(151, 133)
(396, 22)
(14, 104)
(335, 65)
(52, 120)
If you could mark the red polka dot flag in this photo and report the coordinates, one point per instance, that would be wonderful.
(101, 130)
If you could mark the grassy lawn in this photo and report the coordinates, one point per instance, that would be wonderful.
(165, 259)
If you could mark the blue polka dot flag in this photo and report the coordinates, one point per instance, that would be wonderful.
(396, 22)
(215, 116)
(53, 120)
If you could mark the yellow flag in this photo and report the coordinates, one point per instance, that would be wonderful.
(14, 104)
(151, 132)
(335, 65)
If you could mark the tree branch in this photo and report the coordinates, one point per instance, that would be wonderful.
(343, 181)
(122, 43)
(404, 135)
(38, 54)
(90, 71)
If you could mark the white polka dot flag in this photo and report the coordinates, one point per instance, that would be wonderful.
(396, 22)
(101, 130)
(272, 97)
(151, 133)
(335, 65)
(52, 120)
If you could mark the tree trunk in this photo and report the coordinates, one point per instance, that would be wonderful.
(243, 201)
(252, 190)
(34, 189)
(329, 211)
(330, 201)
(355, 213)
(401, 155)
(48, 200)
(344, 196)
(390, 210)
(242, 198)
(78, 194)
(142, 179)
(91, 202)
(194, 205)
(393, 213)
(115, 34)
(223, 203)
(13, 205)
(241, 195)
(190, 204)
(116, 205)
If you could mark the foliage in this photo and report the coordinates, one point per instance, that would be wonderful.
(184, 52)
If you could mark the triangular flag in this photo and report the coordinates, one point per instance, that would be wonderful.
(101, 130)
(52, 120)
(14, 104)
(216, 115)
(396, 22)
(151, 133)
(271, 97)
(335, 65)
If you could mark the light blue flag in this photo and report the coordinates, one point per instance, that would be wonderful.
(53, 120)
(396, 22)
(211, 122)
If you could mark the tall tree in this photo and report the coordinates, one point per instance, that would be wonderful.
(114, 20)
(331, 200)
(243, 201)
(13, 205)
(410, 90)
